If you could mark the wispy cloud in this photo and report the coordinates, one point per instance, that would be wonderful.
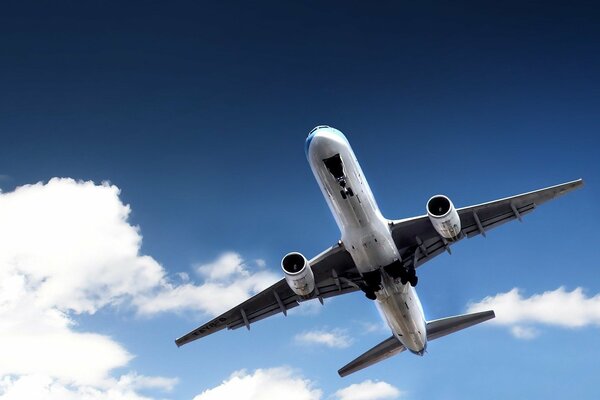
(374, 327)
(559, 307)
(335, 338)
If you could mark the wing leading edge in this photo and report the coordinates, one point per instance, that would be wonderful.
(418, 242)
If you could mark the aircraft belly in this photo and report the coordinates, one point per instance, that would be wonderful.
(365, 232)
(402, 310)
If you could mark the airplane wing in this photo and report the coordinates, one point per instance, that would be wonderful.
(335, 274)
(418, 242)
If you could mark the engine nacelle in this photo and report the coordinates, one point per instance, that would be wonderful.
(444, 217)
(298, 274)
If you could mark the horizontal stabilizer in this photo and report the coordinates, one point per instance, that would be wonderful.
(392, 346)
(445, 326)
(389, 347)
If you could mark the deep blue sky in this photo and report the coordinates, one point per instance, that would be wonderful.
(198, 112)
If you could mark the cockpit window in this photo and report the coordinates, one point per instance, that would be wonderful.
(335, 166)
(318, 127)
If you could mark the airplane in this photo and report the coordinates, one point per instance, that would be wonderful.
(375, 255)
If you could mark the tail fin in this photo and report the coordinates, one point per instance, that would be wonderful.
(392, 346)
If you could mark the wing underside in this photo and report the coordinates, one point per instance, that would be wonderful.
(335, 274)
(418, 242)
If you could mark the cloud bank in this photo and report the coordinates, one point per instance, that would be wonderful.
(559, 307)
(286, 383)
(67, 249)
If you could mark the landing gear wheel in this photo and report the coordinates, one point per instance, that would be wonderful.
(403, 279)
(373, 280)
(370, 295)
(343, 193)
(350, 192)
(412, 277)
(414, 280)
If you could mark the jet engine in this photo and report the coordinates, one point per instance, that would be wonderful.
(298, 274)
(444, 217)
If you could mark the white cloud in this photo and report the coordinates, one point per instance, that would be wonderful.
(260, 262)
(263, 384)
(47, 388)
(72, 246)
(309, 307)
(67, 248)
(225, 266)
(556, 308)
(285, 383)
(368, 390)
(524, 332)
(336, 338)
(228, 282)
(373, 327)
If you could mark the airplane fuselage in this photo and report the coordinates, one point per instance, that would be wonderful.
(365, 233)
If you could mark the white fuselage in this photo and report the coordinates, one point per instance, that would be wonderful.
(365, 232)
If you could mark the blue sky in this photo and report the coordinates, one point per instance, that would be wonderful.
(198, 112)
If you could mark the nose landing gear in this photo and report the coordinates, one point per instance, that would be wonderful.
(346, 192)
(336, 167)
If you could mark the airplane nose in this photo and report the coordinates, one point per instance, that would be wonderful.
(316, 128)
(311, 136)
(324, 133)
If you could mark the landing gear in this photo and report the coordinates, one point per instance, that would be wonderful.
(346, 191)
(336, 167)
(372, 284)
(406, 275)
(413, 280)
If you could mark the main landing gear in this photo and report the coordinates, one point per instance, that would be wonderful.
(406, 274)
(372, 284)
(372, 280)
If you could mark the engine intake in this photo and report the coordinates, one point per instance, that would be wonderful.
(298, 274)
(444, 217)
